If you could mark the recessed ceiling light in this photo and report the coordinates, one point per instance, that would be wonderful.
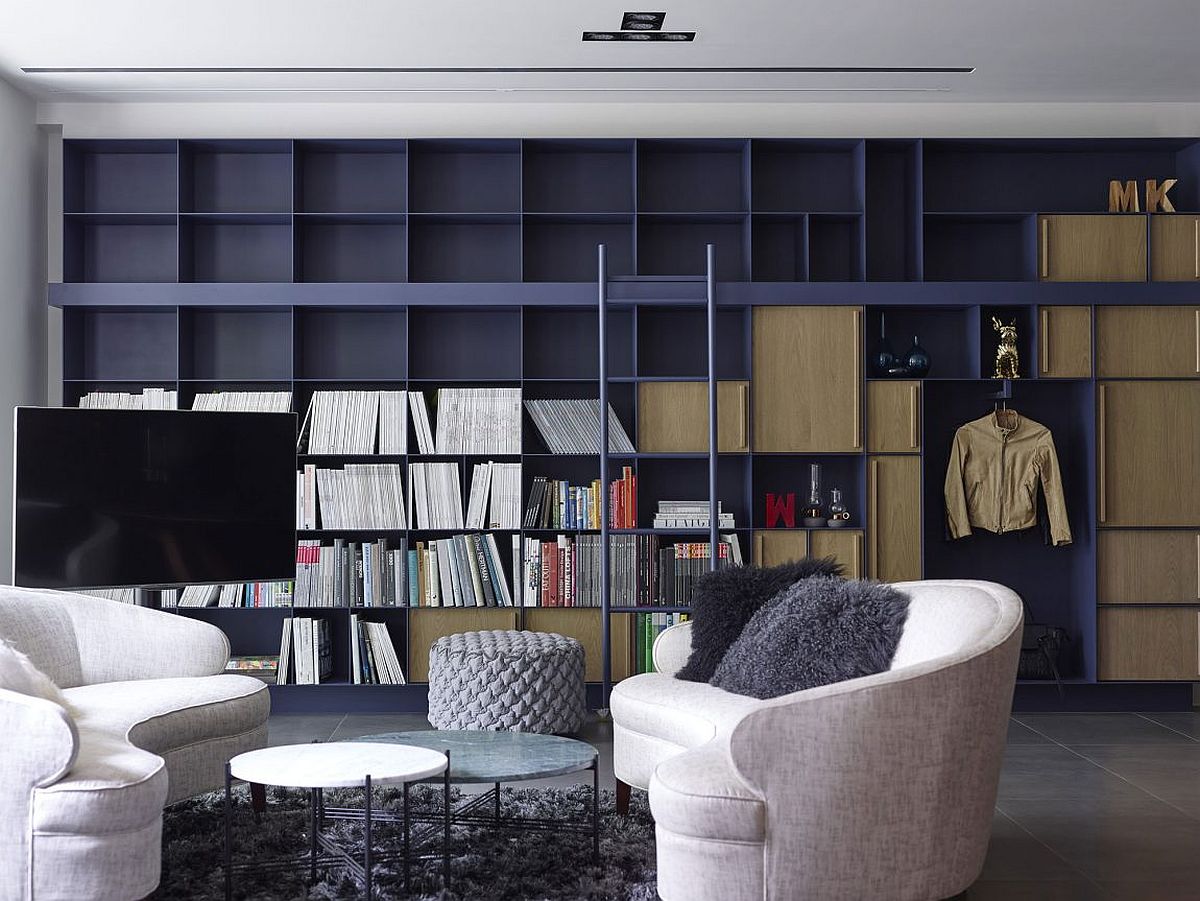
(639, 35)
(642, 21)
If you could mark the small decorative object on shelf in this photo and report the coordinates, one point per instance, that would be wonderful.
(1007, 360)
(781, 506)
(916, 361)
(814, 513)
(839, 516)
(885, 357)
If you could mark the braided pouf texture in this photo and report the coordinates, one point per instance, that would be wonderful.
(507, 681)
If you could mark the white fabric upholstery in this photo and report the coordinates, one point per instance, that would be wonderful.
(153, 720)
(876, 787)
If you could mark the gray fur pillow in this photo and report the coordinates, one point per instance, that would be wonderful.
(724, 601)
(819, 631)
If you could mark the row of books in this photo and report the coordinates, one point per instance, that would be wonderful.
(359, 496)
(149, 399)
(646, 628)
(373, 657)
(478, 421)
(436, 500)
(682, 564)
(357, 422)
(556, 504)
(351, 574)
(305, 651)
(244, 401)
(239, 594)
(495, 499)
(264, 667)
(460, 571)
(689, 515)
(572, 426)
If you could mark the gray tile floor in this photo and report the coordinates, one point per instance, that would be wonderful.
(1091, 806)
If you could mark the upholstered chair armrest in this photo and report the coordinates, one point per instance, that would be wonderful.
(39, 748)
(911, 752)
(119, 642)
(672, 648)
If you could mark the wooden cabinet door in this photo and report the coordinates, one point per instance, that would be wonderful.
(1175, 248)
(1065, 342)
(894, 417)
(1100, 248)
(843, 545)
(894, 518)
(807, 379)
(673, 417)
(1148, 445)
(773, 547)
(1148, 342)
(427, 624)
(1156, 644)
(1148, 567)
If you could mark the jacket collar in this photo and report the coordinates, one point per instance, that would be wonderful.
(994, 421)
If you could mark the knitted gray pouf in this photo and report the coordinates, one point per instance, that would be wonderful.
(507, 682)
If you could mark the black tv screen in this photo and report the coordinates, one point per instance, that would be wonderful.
(146, 498)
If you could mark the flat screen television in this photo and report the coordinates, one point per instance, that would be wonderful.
(152, 498)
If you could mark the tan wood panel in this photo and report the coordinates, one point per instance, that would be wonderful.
(1145, 643)
(894, 518)
(843, 545)
(1148, 342)
(1148, 567)
(807, 379)
(622, 646)
(1148, 436)
(673, 417)
(775, 546)
(1100, 248)
(583, 624)
(894, 417)
(1175, 248)
(1065, 342)
(427, 624)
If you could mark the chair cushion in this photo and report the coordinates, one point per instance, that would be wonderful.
(697, 793)
(819, 631)
(725, 599)
(113, 787)
(683, 713)
(160, 715)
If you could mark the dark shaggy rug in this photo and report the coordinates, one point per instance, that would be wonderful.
(498, 865)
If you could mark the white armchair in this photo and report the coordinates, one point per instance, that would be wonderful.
(878, 787)
(152, 720)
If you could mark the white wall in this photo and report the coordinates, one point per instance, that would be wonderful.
(22, 283)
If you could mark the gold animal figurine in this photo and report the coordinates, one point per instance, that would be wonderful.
(1007, 359)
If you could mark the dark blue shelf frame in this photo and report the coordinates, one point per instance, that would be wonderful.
(200, 265)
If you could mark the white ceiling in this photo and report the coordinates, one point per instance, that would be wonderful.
(1021, 50)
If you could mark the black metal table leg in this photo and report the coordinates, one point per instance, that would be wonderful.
(228, 834)
(407, 862)
(367, 839)
(446, 833)
(596, 808)
(312, 837)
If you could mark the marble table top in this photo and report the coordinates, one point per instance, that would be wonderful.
(479, 756)
(338, 764)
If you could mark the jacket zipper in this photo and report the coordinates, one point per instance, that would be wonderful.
(1000, 491)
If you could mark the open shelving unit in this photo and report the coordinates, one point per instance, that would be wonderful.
(299, 265)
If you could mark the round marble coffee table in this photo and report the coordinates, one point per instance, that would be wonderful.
(319, 766)
(482, 757)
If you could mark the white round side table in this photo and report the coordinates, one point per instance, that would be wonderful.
(318, 766)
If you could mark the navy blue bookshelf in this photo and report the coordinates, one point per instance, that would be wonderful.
(302, 265)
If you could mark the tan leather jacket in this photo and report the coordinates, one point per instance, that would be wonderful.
(992, 479)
